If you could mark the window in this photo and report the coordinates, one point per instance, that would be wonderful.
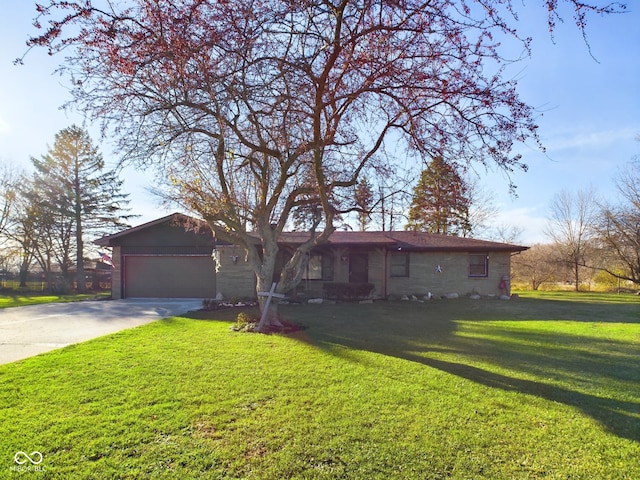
(319, 267)
(399, 264)
(479, 265)
(314, 268)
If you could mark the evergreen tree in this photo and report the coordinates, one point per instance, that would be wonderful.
(81, 197)
(440, 201)
(364, 200)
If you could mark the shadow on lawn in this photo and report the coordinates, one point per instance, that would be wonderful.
(599, 376)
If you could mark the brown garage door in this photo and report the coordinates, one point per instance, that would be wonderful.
(169, 277)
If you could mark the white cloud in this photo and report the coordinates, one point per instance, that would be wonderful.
(591, 139)
(531, 220)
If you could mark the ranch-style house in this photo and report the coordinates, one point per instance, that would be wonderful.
(178, 256)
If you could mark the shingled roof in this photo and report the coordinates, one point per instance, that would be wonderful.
(404, 240)
(395, 240)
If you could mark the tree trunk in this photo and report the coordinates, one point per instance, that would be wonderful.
(264, 282)
(49, 276)
(24, 272)
(269, 320)
(81, 286)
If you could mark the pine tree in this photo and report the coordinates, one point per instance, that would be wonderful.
(440, 201)
(82, 197)
(364, 199)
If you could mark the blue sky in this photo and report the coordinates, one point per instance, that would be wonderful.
(589, 111)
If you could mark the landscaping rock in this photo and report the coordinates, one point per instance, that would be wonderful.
(474, 296)
(505, 297)
(315, 300)
(413, 298)
(452, 295)
(405, 298)
(219, 297)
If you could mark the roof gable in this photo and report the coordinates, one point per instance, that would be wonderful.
(173, 230)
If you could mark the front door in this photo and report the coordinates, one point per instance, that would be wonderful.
(358, 268)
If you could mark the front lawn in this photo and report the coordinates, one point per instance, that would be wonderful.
(22, 299)
(528, 388)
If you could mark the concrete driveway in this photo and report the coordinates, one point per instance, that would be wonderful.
(31, 330)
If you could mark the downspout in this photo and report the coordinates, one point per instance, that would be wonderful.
(384, 273)
(122, 274)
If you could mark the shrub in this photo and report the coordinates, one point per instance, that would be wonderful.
(209, 304)
(348, 291)
(244, 323)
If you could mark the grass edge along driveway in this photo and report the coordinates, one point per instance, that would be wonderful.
(22, 299)
(531, 388)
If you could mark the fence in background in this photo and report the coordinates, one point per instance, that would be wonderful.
(96, 280)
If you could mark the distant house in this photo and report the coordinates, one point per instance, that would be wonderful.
(178, 256)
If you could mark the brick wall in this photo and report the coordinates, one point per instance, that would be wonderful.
(234, 278)
(453, 275)
(238, 280)
(377, 271)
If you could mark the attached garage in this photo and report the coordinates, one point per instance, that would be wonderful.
(168, 258)
(169, 276)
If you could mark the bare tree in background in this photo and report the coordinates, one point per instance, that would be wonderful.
(619, 226)
(8, 181)
(506, 233)
(535, 266)
(572, 228)
(482, 210)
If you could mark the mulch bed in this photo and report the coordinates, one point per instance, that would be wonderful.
(231, 313)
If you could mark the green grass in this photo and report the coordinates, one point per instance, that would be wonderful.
(532, 388)
(582, 297)
(20, 300)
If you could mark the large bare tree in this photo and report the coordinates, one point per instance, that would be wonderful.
(8, 178)
(572, 228)
(619, 228)
(255, 109)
